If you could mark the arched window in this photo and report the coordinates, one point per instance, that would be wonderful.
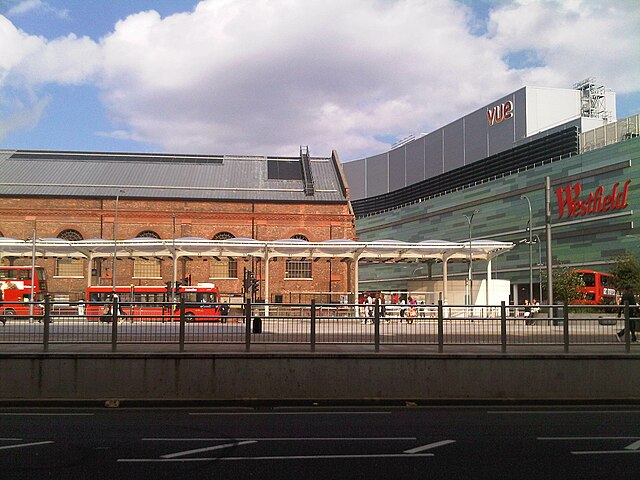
(147, 267)
(148, 234)
(224, 267)
(223, 236)
(298, 268)
(70, 267)
(71, 235)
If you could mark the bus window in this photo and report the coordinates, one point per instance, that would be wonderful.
(589, 279)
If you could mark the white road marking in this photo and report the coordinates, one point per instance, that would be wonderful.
(206, 449)
(22, 445)
(290, 413)
(633, 446)
(46, 414)
(284, 457)
(554, 412)
(283, 439)
(429, 446)
(604, 452)
(10, 439)
(588, 438)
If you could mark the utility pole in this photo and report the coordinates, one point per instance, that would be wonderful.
(547, 200)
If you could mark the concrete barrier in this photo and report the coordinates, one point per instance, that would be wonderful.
(321, 377)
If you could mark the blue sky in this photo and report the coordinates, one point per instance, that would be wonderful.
(263, 77)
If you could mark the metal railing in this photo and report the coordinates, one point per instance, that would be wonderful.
(503, 327)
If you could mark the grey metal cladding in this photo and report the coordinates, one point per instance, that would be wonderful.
(520, 115)
(475, 133)
(414, 163)
(397, 174)
(355, 172)
(434, 154)
(233, 178)
(502, 134)
(377, 175)
(454, 145)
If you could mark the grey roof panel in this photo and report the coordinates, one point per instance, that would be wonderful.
(159, 176)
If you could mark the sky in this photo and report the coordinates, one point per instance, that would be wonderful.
(263, 77)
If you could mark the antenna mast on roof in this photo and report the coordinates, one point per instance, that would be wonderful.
(593, 102)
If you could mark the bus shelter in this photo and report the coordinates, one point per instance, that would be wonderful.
(381, 251)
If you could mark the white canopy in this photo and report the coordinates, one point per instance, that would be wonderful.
(377, 251)
(380, 250)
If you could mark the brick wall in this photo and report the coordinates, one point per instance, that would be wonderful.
(94, 218)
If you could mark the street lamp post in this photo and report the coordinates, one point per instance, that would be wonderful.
(470, 273)
(115, 240)
(537, 240)
(524, 197)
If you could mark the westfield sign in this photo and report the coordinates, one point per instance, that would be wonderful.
(572, 201)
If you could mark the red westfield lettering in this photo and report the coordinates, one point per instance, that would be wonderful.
(569, 200)
(500, 112)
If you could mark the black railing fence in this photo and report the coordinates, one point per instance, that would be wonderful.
(311, 324)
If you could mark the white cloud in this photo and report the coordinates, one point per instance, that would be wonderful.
(574, 39)
(19, 115)
(31, 6)
(264, 76)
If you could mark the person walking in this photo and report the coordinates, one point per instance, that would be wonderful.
(628, 297)
(224, 312)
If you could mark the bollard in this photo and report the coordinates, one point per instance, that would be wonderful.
(247, 324)
(257, 325)
(565, 327)
(503, 326)
(47, 322)
(627, 322)
(114, 324)
(313, 325)
(440, 327)
(181, 334)
(376, 325)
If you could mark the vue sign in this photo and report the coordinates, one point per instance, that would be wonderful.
(570, 200)
(500, 112)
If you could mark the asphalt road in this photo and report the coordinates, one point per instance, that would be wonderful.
(322, 443)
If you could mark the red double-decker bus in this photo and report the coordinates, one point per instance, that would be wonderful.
(154, 303)
(16, 286)
(598, 288)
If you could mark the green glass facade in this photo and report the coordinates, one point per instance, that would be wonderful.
(592, 240)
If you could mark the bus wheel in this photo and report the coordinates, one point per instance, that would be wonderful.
(7, 315)
(188, 317)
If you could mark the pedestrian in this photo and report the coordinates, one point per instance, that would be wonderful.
(224, 311)
(527, 312)
(120, 312)
(628, 297)
(403, 310)
(383, 309)
(535, 307)
(369, 309)
(81, 308)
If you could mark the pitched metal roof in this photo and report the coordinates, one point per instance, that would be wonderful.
(163, 176)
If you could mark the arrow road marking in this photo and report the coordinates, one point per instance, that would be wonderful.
(633, 446)
(285, 457)
(206, 449)
(429, 446)
(20, 445)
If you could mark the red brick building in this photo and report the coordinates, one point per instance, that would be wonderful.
(79, 196)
